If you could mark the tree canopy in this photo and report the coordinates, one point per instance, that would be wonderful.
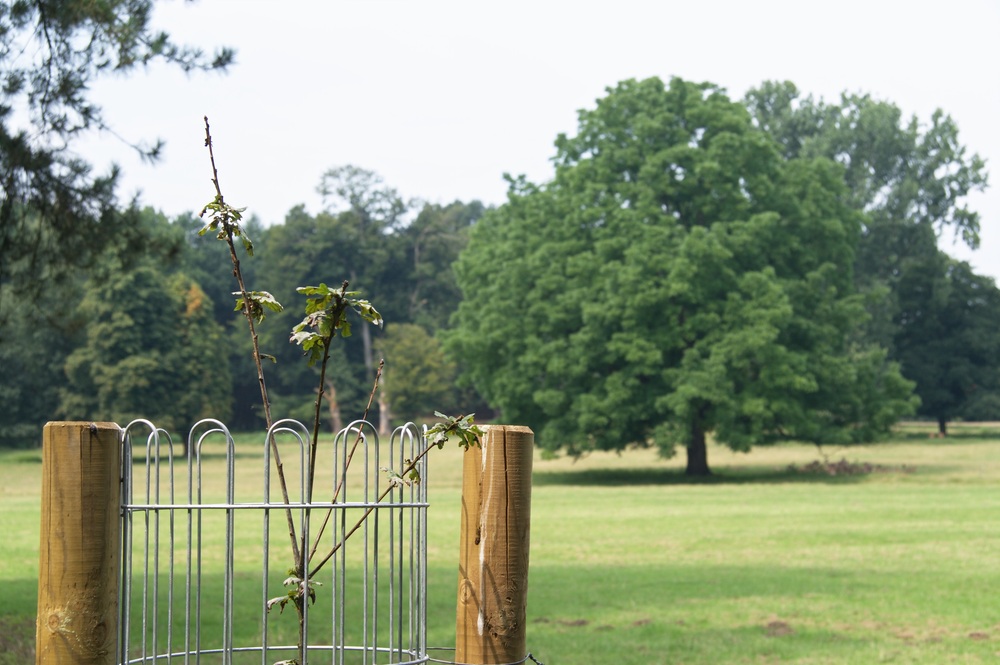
(912, 179)
(418, 379)
(56, 214)
(902, 172)
(151, 352)
(368, 235)
(946, 336)
(680, 275)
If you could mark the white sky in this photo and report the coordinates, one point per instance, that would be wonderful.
(441, 98)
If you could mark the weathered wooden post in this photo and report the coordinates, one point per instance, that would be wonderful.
(80, 548)
(493, 550)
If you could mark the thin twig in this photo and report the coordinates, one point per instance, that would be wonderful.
(361, 520)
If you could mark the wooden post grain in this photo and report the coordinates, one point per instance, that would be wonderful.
(80, 548)
(493, 549)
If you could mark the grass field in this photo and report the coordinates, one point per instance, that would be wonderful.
(770, 561)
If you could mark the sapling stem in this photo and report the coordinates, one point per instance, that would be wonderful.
(326, 310)
(347, 463)
(227, 228)
(327, 341)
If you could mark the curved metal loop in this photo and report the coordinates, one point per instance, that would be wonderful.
(290, 425)
(410, 430)
(214, 427)
(152, 439)
(359, 428)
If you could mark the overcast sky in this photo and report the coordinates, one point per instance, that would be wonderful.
(442, 98)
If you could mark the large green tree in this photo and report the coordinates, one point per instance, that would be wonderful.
(910, 178)
(56, 215)
(152, 351)
(946, 336)
(39, 332)
(679, 276)
(431, 244)
(40, 329)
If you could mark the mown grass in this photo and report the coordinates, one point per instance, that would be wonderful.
(762, 563)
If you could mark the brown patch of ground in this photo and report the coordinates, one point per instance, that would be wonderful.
(778, 629)
(929, 633)
(845, 468)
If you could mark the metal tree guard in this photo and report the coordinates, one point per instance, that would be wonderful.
(175, 607)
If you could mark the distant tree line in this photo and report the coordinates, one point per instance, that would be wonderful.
(751, 270)
(156, 336)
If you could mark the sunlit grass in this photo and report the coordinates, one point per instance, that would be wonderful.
(632, 563)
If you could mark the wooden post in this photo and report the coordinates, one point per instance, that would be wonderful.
(80, 548)
(493, 551)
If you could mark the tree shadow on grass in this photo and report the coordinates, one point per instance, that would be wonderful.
(17, 640)
(33, 456)
(955, 435)
(673, 476)
(17, 621)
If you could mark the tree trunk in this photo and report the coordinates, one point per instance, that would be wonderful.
(697, 453)
(366, 343)
(336, 422)
(384, 413)
(942, 427)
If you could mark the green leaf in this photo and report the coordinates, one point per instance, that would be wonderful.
(300, 337)
(395, 480)
(365, 310)
(257, 302)
(414, 474)
(247, 244)
(225, 219)
(463, 427)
